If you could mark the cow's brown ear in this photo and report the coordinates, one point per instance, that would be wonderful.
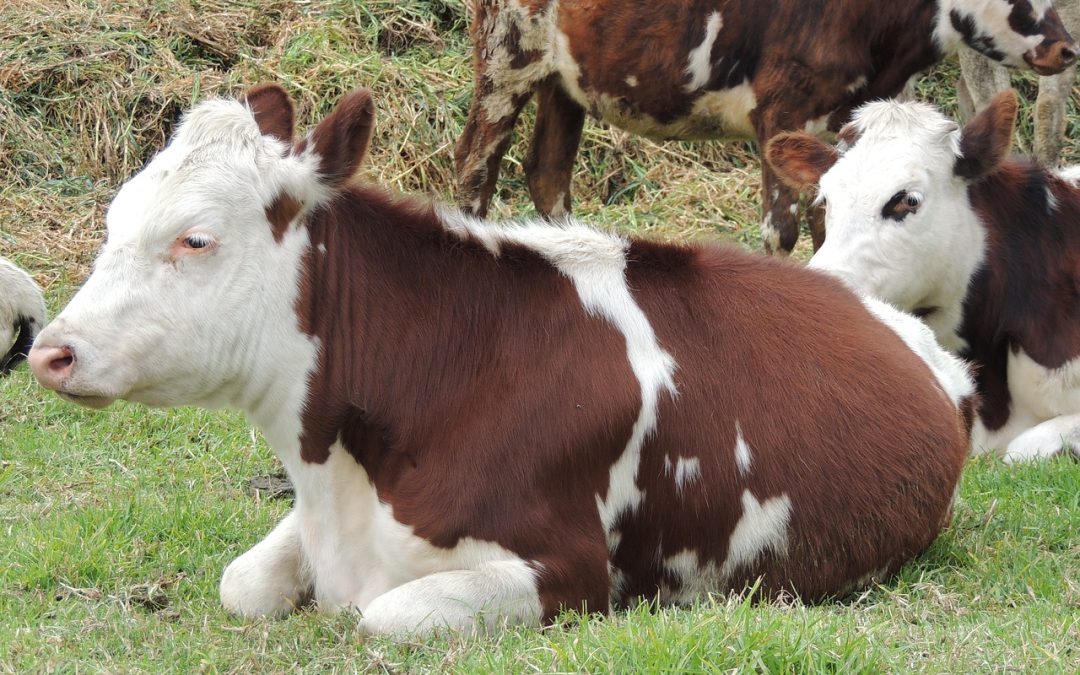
(273, 110)
(986, 139)
(341, 140)
(799, 159)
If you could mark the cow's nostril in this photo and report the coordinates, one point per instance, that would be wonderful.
(51, 365)
(62, 363)
(1067, 55)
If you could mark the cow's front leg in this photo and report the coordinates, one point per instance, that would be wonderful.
(1050, 115)
(550, 161)
(268, 580)
(460, 601)
(1046, 440)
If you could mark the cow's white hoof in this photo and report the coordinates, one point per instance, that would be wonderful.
(250, 588)
(1035, 444)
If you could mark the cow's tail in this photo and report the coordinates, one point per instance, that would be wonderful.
(24, 339)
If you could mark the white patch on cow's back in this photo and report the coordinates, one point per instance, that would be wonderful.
(743, 457)
(596, 264)
(951, 373)
(699, 66)
(631, 81)
(762, 528)
(687, 470)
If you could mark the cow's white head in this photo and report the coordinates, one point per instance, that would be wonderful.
(192, 297)
(899, 224)
(1012, 32)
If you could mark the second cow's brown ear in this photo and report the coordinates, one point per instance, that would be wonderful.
(985, 140)
(341, 139)
(799, 159)
(273, 111)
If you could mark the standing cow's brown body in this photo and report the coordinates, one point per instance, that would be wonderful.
(694, 69)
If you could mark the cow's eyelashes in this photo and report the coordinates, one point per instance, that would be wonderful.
(192, 243)
(197, 241)
(901, 204)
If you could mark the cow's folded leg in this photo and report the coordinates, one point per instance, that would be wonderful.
(268, 580)
(1046, 440)
(467, 602)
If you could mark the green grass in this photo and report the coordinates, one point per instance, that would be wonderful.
(115, 525)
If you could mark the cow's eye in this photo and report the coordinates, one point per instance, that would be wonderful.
(901, 204)
(198, 240)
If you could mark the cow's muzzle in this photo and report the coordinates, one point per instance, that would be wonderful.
(1052, 57)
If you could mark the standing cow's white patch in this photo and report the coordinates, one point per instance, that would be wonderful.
(699, 66)
(743, 458)
(596, 263)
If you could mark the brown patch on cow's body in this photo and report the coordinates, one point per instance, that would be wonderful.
(280, 213)
(826, 410)
(1027, 294)
(483, 401)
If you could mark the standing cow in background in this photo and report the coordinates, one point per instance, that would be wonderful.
(936, 221)
(982, 78)
(22, 314)
(492, 423)
(694, 69)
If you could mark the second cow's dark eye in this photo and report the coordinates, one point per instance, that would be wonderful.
(901, 204)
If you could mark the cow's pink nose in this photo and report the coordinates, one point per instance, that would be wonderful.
(51, 365)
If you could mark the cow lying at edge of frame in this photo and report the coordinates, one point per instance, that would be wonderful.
(936, 221)
(490, 423)
(673, 69)
(22, 314)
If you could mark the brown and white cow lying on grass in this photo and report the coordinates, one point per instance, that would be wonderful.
(672, 69)
(935, 220)
(490, 423)
(22, 314)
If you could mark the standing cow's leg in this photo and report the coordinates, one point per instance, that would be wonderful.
(1050, 119)
(480, 150)
(550, 162)
(980, 80)
(270, 579)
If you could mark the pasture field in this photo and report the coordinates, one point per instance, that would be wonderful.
(115, 525)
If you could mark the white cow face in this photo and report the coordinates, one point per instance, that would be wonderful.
(1012, 32)
(899, 224)
(193, 294)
